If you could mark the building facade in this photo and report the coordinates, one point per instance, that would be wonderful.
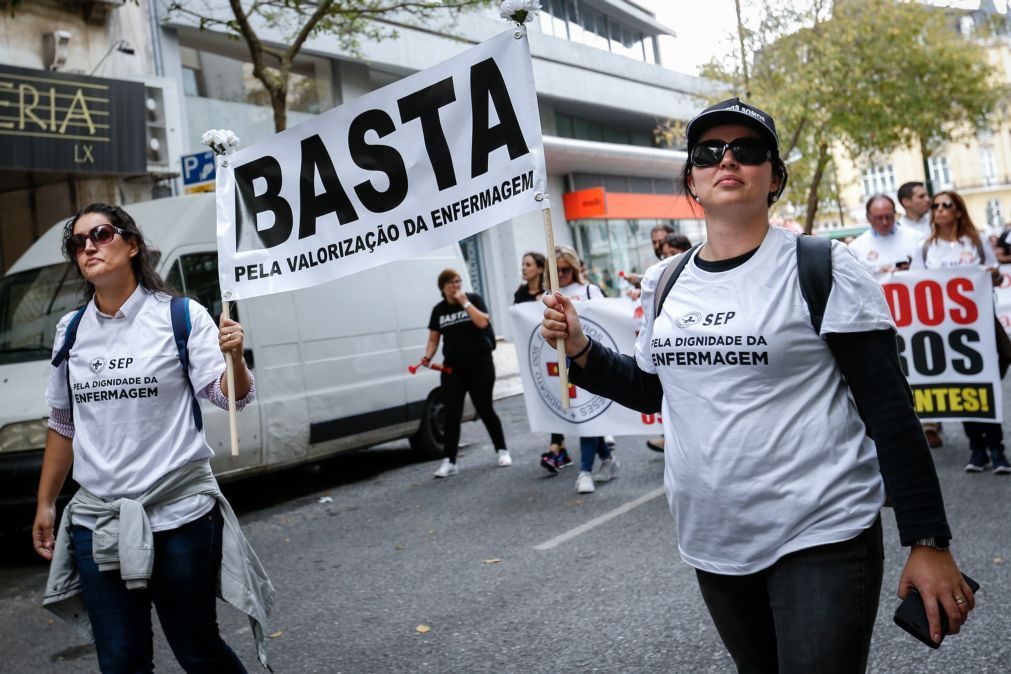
(977, 166)
(86, 113)
(601, 91)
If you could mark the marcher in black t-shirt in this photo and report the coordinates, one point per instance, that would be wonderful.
(462, 318)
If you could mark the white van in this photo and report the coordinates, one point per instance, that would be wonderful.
(331, 362)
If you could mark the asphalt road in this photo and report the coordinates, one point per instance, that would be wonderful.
(507, 570)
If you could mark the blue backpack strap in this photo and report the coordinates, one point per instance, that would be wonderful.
(668, 278)
(180, 310)
(814, 271)
(69, 337)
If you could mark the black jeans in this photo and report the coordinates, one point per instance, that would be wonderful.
(183, 588)
(476, 377)
(984, 435)
(812, 611)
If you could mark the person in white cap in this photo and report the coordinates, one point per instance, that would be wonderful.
(787, 434)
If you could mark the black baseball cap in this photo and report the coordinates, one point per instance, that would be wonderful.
(732, 111)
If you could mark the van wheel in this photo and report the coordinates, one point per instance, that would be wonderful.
(430, 440)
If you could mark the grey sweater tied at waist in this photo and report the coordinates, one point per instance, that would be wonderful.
(123, 540)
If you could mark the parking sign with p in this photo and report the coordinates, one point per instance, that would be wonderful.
(198, 172)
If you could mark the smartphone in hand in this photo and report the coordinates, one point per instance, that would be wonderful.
(912, 616)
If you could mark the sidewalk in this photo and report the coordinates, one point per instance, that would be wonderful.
(507, 371)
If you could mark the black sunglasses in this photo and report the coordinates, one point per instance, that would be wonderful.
(751, 151)
(947, 205)
(99, 235)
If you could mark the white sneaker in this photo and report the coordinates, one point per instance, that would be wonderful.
(607, 471)
(503, 458)
(446, 469)
(584, 483)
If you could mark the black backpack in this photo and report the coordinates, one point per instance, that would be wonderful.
(180, 311)
(814, 267)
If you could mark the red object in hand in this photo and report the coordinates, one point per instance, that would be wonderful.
(621, 274)
(435, 366)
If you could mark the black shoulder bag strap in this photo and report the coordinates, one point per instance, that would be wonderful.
(180, 310)
(69, 337)
(814, 270)
(668, 278)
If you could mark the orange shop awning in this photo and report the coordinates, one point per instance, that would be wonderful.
(598, 204)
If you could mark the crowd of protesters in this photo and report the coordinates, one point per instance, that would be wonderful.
(774, 492)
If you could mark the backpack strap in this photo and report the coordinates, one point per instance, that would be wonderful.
(180, 310)
(814, 270)
(69, 337)
(668, 278)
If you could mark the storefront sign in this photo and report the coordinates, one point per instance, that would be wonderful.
(57, 122)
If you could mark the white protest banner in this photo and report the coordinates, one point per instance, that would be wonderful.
(414, 166)
(613, 323)
(946, 341)
(1002, 297)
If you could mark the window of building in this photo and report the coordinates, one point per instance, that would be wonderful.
(574, 20)
(878, 180)
(940, 173)
(989, 166)
(995, 215)
(580, 128)
(219, 84)
(585, 181)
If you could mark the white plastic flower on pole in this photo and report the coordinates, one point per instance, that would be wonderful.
(520, 11)
(221, 141)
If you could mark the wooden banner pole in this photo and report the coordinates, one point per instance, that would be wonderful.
(233, 421)
(563, 370)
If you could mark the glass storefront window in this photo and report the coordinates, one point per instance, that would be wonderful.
(611, 246)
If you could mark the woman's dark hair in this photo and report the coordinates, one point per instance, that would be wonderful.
(778, 171)
(964, 226)
(143, 262)
(445, 277)
(541, 263)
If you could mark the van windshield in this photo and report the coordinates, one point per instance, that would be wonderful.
(31, 304)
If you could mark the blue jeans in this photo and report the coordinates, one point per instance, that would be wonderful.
(183, 588)
(811, 611)
(590, 447)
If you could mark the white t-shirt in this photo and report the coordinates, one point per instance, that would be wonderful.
(920, 227)
(942, 254)
(133, 414)
(766, 453)
(582, 291)
(879, 252)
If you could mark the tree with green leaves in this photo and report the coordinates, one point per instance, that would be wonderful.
(350, 21)
(864, 77)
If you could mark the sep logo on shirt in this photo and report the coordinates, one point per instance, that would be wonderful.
(689, 319)
(97, 364)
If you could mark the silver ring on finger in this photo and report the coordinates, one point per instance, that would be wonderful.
(959, 600)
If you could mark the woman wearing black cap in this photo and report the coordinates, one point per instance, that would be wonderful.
(773, 476)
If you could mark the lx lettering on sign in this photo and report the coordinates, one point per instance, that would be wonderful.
(82, 154)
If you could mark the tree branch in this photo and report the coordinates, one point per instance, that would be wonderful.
(322, 9)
